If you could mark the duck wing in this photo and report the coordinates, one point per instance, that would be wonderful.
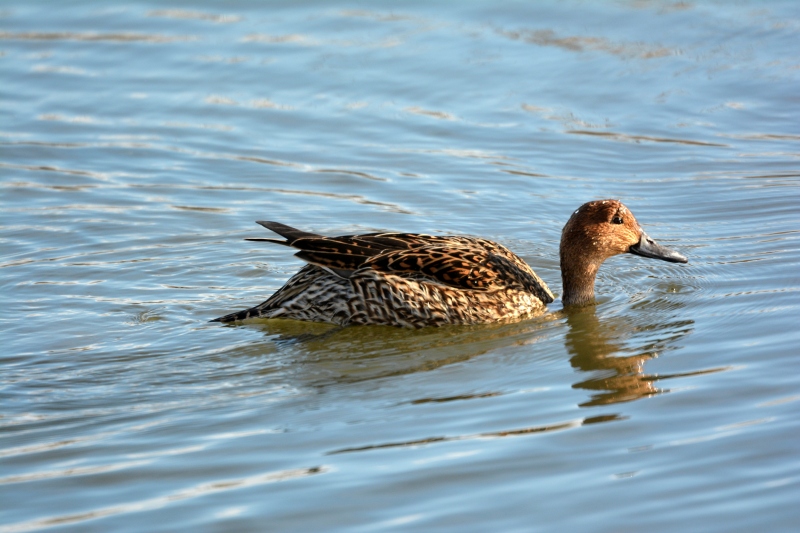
(460, 267)
(346, 253)
(459, 262)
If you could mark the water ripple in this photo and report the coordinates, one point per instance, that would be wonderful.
(639, 138)
(95, 37)
(580, 44)
(69, 472)
(486, 435)
(165, 500)
(194, 15)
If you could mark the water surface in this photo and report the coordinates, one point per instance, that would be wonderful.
(139, 142)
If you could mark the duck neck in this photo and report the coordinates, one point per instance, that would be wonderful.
(577, 276)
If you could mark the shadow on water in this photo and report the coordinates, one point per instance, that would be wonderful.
(610, 353)
(604, 349)
(332, 354)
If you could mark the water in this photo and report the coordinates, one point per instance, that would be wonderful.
(139, 142)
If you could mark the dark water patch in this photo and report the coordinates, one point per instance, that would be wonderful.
(350, 173)
(94, 37)
(431, 113)
(492, 434)
(639, 138)
(198, 208)
(523, 173)
(46, 168)
(689, 374)
(763, 137)
(576, 43)
(456, 398)
(268, 161)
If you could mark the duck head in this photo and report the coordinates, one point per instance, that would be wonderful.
(596, 231)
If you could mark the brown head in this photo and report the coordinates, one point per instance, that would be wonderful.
(596, 231)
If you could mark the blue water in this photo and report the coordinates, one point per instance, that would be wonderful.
(140, 141)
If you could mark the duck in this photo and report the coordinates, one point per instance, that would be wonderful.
(416, 280)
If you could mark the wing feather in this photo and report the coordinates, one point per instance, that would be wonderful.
(463, 268)
(460, 262)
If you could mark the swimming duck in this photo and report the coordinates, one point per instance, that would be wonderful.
(414, 280)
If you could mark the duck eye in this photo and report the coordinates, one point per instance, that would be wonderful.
(616, 220)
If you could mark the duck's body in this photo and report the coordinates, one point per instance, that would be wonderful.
(402, 279)
(414, 280)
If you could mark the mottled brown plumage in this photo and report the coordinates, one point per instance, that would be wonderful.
(414, 280)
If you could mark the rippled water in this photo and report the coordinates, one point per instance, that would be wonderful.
(139, 142)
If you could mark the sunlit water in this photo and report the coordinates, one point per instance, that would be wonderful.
(139, 142)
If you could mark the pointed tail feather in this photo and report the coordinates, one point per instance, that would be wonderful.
(287, 232)
(267, 239)
(254, 312)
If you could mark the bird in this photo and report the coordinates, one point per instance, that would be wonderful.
(416, 280)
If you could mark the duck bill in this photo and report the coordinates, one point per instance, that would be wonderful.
(647, 247)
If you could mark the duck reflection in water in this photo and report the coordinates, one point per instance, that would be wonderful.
(600, 347)
(335, 355)
(610, 353)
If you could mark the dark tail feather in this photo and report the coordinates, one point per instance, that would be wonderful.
(311, 242)
(266, 239)
(291, 235)
(287, 232)
(253, 312)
